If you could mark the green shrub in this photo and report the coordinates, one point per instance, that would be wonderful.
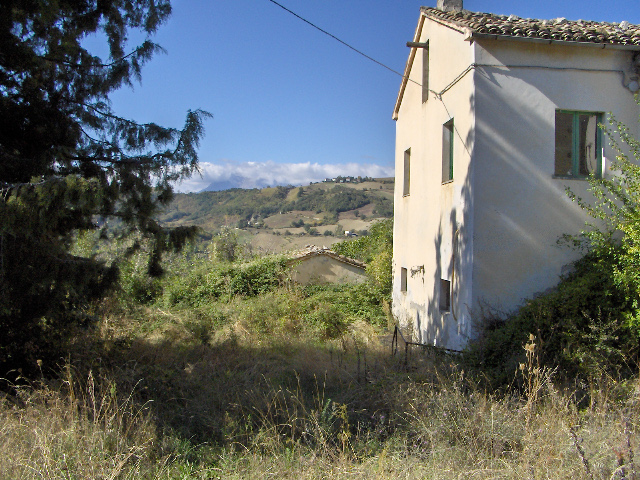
(257, 277)
(329, 320)
(355, 302)
(375, 249)
(226, 247)
(135, 283)
(579, 327)
(273, 313)
(208, 281)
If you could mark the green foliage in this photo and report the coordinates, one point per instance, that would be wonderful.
(614, 237)
(379, 269)
(380, 239)
(68, 161)
(135, 283)
(334, 307)
(225, 247)
(376, 250)
(258, 291)
(579, 328)
(207, 281)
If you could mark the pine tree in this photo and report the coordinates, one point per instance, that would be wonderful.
(68, 162)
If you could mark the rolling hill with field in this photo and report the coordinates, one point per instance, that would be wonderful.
(277, 219)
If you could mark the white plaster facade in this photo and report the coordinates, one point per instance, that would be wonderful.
(492, 231)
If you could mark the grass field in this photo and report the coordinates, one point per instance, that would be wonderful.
(162, 394)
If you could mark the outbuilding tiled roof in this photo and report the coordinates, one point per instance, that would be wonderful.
(313, 250)
(559, 29)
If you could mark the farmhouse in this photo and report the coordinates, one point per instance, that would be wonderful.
(496, 116)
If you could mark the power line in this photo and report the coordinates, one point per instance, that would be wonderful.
(337, 39)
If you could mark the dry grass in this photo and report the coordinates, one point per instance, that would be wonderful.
(73, 429)
(166, 405)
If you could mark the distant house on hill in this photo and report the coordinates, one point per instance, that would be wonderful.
(315, 265)
(496, 117)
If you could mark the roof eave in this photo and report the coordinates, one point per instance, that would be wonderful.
(328, 253)
(549, 41)
(424, 14)
(407, 67)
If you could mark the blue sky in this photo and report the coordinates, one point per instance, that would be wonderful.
(290, 104)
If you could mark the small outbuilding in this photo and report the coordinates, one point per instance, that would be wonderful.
(316, 265)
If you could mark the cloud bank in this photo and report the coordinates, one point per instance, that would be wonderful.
(219, 176)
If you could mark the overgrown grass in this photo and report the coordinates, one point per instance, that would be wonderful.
(187, 398)
(230, 371)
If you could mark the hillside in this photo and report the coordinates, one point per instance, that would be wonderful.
(275, 219)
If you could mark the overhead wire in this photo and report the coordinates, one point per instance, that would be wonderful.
(359, 52)
(438, 95)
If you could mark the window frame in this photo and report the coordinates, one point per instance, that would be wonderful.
(444, 302)
(448, 129)
(403, 280)
(406, 179)
(575, 144)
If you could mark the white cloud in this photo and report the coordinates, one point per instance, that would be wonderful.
(261, 174)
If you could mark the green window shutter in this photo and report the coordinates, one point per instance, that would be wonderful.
(447, 151)
(578, 144)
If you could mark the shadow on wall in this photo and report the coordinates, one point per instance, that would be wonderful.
(450, 326)
(520, 209)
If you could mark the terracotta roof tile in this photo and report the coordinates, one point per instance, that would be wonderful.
(312, 250)
(559, 29)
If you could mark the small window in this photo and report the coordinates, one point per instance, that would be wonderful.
(403, 280)
(447, 151)
(578, 144)
(445, 295)
(407, 172)
(425, 73)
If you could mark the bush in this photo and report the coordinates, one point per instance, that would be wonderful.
(375, 249)
(226, 246)
(360, 301)
(207, 282)
(578, 326)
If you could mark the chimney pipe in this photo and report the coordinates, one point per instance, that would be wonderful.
(449, 5)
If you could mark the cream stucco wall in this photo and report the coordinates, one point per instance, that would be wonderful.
(434, 217)
(520, 208)
(493, 231)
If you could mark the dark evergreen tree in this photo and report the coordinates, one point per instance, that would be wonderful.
(67, 161)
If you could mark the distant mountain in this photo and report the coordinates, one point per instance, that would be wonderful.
(235, 181)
